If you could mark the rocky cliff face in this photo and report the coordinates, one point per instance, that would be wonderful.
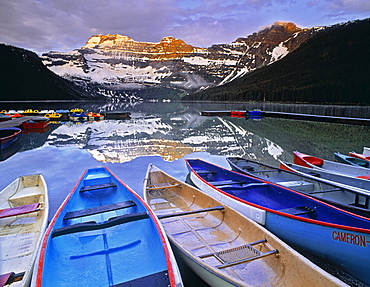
(119, 67)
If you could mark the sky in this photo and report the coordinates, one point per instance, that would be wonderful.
(64, 25)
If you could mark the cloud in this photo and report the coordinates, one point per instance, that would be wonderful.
(45, 25)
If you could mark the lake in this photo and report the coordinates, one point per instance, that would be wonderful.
(165, 134)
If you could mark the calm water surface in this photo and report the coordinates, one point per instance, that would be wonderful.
(165, 134)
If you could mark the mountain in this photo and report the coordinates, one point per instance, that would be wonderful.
(119, 67)
(24, 77)
(330, 67)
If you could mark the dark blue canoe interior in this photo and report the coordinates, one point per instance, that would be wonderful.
(104, 237)
(266, 195)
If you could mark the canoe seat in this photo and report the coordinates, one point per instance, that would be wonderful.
(205, 171)
(240, 190)
(98, 209)
(97, 186)
(92, 225)
(241, 254)
(314, 160)
(157, 279)
(262, 170)
(162, 185)
(19, 210)
(325, 191)
(9, 278)
(361, 201)
(297, 185)
(226, 182)
(299, 210)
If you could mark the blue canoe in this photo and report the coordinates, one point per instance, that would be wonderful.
(343, 158)
(104, 234)
(311, 226)
(8, 136)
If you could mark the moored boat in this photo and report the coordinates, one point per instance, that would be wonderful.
(330, 166)
(53, 115)
(8, 136)
(104, 234)
(366, 151)
(75, 116)
(347, 159)
(221, 245)
(23, 219)
(311, 226)
(36, 123)
(359, 155)
(343, 180)
(5, 117)
(94, 116)
(351, 199)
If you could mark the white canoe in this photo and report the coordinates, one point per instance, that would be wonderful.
(345, 181)
(222, 246)
(330, 166)
(24, 212)
(366, 151)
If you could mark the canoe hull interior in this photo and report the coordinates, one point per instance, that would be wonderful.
(112, 251)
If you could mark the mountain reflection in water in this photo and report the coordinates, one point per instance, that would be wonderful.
(172, 130)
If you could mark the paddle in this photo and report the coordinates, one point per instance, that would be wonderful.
(11, 277)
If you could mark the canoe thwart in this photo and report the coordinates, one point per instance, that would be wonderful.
(19, 210)
(220, 207)
(159, 279)
(299, 210)
(97, 186)
(99, 209)
(162, 185)
(92, 225)
(9, 278)
(240, 255)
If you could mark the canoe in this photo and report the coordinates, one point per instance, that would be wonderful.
(4, 117)
(222, 246)
(310, 226)
(36, 123)
(351, 199)
(347, 159)
(366, 150)
(75, 116)
(24, 212)
(359, 155)
(8, 136)
(343, 180)
(94, 116)
(330, 166)
(104, 234)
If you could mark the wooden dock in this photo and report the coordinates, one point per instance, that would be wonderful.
(295, 116)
